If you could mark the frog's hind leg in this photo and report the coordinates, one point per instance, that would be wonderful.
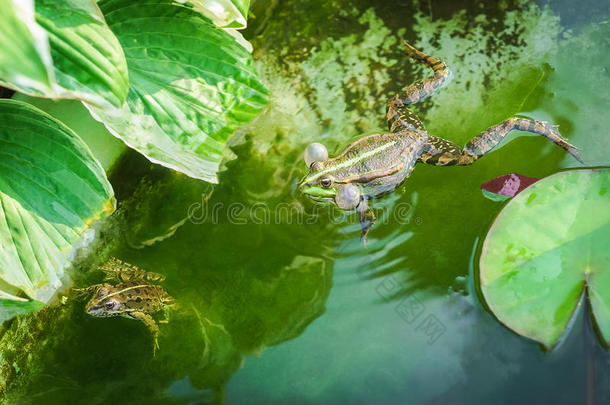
(424, 88)
(399, 116)
(150, 324)
(441, 152)
(122, 271)
(86, 290)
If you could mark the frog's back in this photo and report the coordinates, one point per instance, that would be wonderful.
(138, 296)
(378, 155)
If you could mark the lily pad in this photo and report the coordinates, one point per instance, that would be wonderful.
(547, 247)
(51, 190)
(191, 85)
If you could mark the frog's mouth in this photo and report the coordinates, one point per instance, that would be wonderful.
(317, 193)
(105, 308)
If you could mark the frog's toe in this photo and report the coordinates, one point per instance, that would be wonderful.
(366, 226)
(574, 152)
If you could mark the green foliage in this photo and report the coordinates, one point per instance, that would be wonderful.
(25, 59)
(170, 84)
(191, 86)
(77, 54)
(51, 190)
(224, 13)
(88, 61)
(546, 247)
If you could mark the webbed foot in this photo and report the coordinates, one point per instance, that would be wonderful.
(367, 219)
(562, 142)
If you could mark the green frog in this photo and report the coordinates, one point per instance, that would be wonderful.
(377, 164)
(133, 297)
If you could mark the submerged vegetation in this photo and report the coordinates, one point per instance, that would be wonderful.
(276, 300)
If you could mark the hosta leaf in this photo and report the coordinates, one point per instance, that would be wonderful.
(224, 13)
(87, 60)
(51, 190)
(546, 247)
(11, 306)
(191, 85)
(25, 57)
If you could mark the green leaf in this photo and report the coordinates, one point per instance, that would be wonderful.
(224, 13)
(546, 247)
(11, 306)
(82, 57)
(25, 57)
(191, 85)
(51, 190)
(88, 59)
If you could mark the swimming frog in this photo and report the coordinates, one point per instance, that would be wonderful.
(377, 164)
(133, 297)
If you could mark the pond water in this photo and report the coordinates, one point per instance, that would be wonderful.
(277, 299)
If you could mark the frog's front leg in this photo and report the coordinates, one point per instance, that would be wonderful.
(150, 324)
(348, 197)
(367, 218)
(442, 152)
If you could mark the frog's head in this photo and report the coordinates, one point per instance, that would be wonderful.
(317, 186)
(103, 304)
(322, 183)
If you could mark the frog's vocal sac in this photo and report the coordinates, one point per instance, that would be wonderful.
(377, 164)
(133, 297)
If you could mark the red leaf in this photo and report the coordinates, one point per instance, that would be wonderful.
(509, 185)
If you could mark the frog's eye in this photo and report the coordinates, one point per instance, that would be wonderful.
(326, 182)
(315, 152)
(110, 305)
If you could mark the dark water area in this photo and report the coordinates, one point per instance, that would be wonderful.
(277, 301)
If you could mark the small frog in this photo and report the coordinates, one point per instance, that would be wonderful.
(133, 297)
(377, 164)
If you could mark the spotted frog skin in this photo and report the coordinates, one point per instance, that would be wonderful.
(377, 164)
(133, 297)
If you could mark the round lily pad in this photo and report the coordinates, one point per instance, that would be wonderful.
(547, 247)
